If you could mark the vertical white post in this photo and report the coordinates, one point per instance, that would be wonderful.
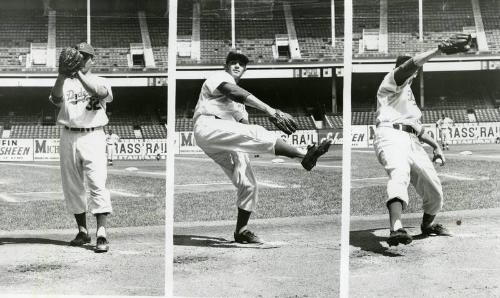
(233, 26)
(333, 22)
(169, 183)
(346, 153)
(420, 21)
(88, 21)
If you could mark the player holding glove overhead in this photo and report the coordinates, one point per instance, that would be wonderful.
(397, 143)
(222, 131)
(82, 97)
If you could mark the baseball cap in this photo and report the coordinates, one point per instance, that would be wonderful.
(84, 47)
(234, 56)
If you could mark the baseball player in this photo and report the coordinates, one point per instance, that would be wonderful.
(444, 124)
(222, 131)
(82, 97)
(111, 140)
(397, 144)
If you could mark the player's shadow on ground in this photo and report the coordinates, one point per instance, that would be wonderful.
(368, 241)
(205, 241)
(32, 240)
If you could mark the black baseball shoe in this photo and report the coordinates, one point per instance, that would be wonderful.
(247, 237)
(313, 153)
(435, 229)
(101, 244)
(80, 239)
(399, 236)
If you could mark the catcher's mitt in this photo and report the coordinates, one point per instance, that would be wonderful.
(70, 61)
(457, 43)
(284, 122)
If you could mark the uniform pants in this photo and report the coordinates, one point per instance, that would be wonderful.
(216, 135)
(83, 157)
(405, 161)
(109, 150)
(237, 167)
(443, 132)
(228, 144)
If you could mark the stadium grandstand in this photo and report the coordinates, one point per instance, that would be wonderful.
(295, 50)
(463, 87)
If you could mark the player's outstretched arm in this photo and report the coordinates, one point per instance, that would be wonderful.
(408, 68)
(92, 88)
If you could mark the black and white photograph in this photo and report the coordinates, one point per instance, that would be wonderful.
(259, 132)
(82, 148)
(425, 130)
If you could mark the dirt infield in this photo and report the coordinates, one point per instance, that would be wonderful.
(465, 265)
(42, 263)
(306, 264)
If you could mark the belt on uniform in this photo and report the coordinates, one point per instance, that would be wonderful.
(405, 128)
(82, 129)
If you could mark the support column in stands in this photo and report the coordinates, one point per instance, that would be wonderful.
(482, 43)
(382, 38)
(195, 36)
(51, 39)
(149, 59)
(421, 81)
(293, 43)
(334, 92)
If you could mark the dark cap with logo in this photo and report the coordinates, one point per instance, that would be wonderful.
(234, 56)
(84, 47)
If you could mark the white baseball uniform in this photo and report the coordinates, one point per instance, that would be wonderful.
(111, 141)
(444, 126)
(400, 152)
(83, 152)
(223, 138)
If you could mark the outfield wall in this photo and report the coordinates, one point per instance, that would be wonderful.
(48, 149)
(143, 149)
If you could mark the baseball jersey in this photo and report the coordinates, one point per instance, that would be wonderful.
(444, 123)
(396, 104)
(78, 109)
(212, 102)
(112, 139)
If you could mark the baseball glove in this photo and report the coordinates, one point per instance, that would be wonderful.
(457, 43)
(284, 122)
(70, 61)
(438, 157)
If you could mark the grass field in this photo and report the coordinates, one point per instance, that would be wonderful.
(469, 181)
(31, 196)
(204, 193)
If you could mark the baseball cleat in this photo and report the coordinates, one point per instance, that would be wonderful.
(313, 153)
(101, 244)
(399, 236)
(247, 237)
(436, 230)
(80, 239)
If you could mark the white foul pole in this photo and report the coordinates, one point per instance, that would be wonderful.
(420, 21)
(88, 21)
(233, 26)
(346, 153)
(169, 183)
(333, 22)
